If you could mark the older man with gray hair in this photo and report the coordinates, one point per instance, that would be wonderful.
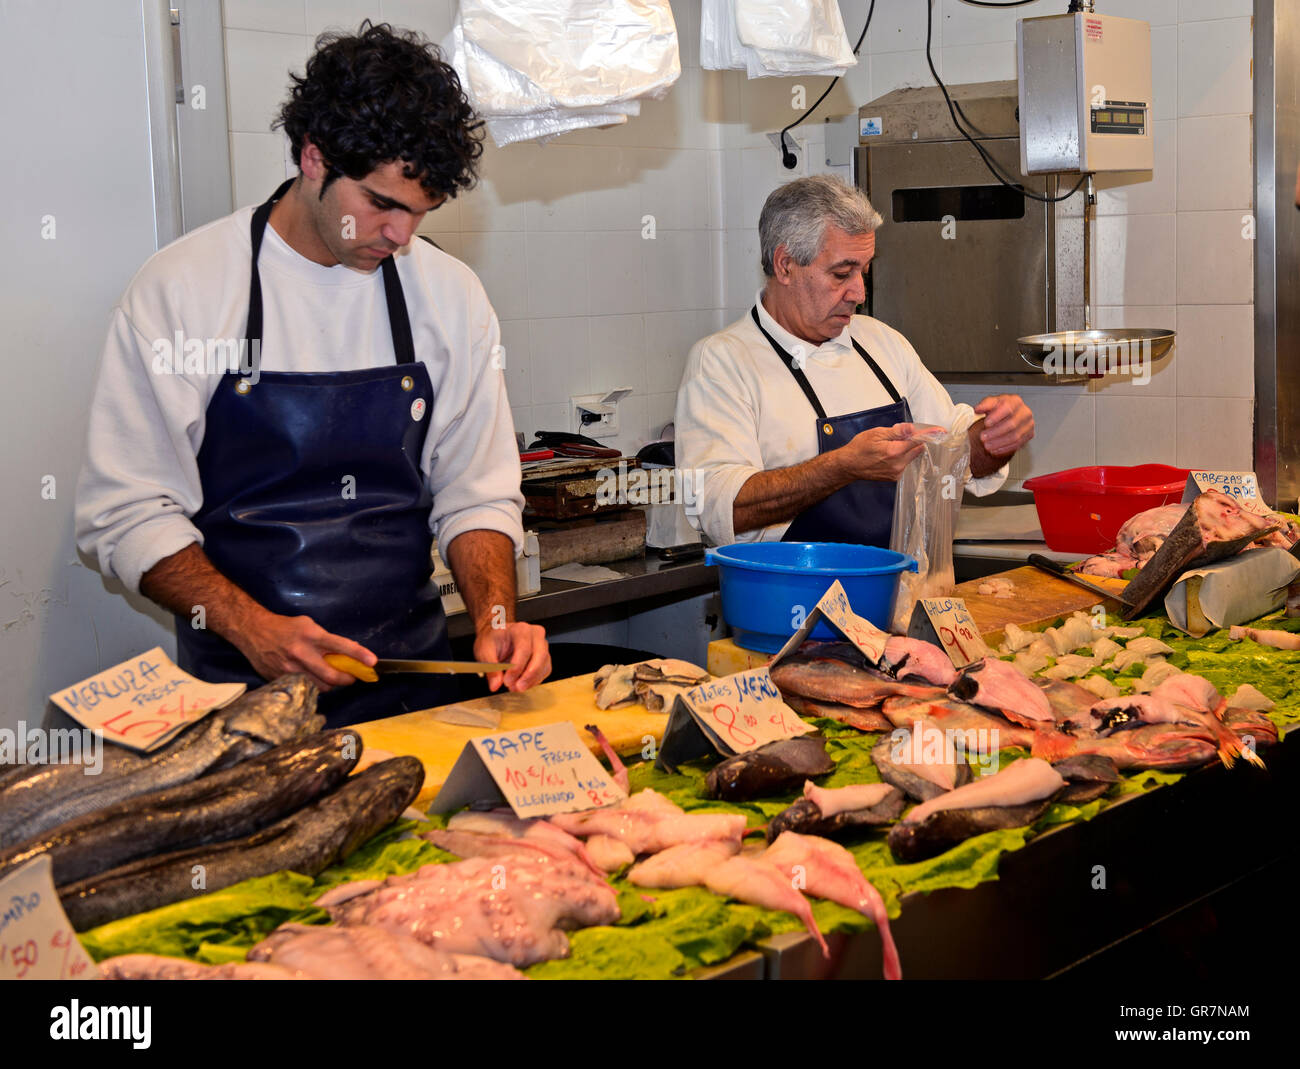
(795, 422)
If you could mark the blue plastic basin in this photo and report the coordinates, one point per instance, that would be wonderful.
(768, 588)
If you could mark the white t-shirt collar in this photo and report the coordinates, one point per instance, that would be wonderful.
(792, 344)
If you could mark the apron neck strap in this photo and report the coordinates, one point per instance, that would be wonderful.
(399, 322)
(802, 379)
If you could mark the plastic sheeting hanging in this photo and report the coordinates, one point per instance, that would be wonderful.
(925, 517)
(774, 38)
(538, 68)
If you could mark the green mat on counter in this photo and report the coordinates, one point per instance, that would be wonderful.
(667, 934)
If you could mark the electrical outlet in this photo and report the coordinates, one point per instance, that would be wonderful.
(596, 414)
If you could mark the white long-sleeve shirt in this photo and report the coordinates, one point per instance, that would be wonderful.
(741, 412)
(140, 486)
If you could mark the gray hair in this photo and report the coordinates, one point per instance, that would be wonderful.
(795, 215)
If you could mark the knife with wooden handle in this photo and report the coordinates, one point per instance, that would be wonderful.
(1061, 572)
(393, 666)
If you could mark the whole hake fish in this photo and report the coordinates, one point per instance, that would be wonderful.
(224, 805)
(279, 712)
(308, 842)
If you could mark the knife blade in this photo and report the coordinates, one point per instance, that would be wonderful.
(1061, 572)
(390, 666)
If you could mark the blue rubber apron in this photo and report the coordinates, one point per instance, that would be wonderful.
(863, 511)
(314, 503)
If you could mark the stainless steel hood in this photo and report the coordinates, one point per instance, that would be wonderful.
(965, 266)
(1277, 250)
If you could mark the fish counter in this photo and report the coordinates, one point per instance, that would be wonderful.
(910, 833)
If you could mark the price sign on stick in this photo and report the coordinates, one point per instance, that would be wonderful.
(1241, 485)
(948, 622)
(535, 771)
(834, 608)
(36, 939)
(731, 715)
(143, 702)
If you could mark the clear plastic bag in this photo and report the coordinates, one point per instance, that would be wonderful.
(774, 38)
(537, 68)
(925, 516)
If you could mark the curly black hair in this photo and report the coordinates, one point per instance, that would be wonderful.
(379, 96)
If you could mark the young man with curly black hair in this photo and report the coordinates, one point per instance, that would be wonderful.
(294, 400)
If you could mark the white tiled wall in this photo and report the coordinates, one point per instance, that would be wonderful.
(588, 304)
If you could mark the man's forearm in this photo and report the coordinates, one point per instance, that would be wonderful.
(779, 495)
(982, 462)
(483, 564)
(188, 580)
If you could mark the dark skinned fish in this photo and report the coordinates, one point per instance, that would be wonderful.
(1087, 776)
(807, 815)
(224, 805)
(837, 672)
(868, 720)
(920, 780)
(307, 841)
(276, 713)
(1014, 797)
(776, 768)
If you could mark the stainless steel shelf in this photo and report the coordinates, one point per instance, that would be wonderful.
(644, 578)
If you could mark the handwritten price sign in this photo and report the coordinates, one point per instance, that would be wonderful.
(834, 608)
(955, 629)
(144, 701)
(1241, 485)
(36, 940)
(744, 711)
(537, 771)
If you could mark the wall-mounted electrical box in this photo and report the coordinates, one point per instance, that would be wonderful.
(1085, 94)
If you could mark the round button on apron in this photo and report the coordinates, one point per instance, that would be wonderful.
(827, 428)
(407, 382)
(243, 386)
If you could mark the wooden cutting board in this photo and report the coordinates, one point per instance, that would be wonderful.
(438, 744)
(1039, 599)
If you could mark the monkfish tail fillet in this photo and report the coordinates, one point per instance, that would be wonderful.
(762, 884)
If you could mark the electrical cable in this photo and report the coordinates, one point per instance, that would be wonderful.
(788, 159)
(954, 109)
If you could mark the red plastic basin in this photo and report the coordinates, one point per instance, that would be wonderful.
(1082, 510)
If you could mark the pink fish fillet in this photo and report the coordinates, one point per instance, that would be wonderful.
(913, 657)
(685, 865)
(762, 884)
(1021, 782)
(829, 871)
(647, 822)
(832, 800)
(1000, 686)
(504, 822)
(1280, 640)
(609, 853)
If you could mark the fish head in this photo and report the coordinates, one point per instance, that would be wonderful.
(280, 711)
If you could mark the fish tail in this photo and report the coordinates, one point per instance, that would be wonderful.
(810, 922)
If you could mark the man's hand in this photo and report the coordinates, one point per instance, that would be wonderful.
(882, 452)
(1008, 425)
(275, 645)
(524, 646)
